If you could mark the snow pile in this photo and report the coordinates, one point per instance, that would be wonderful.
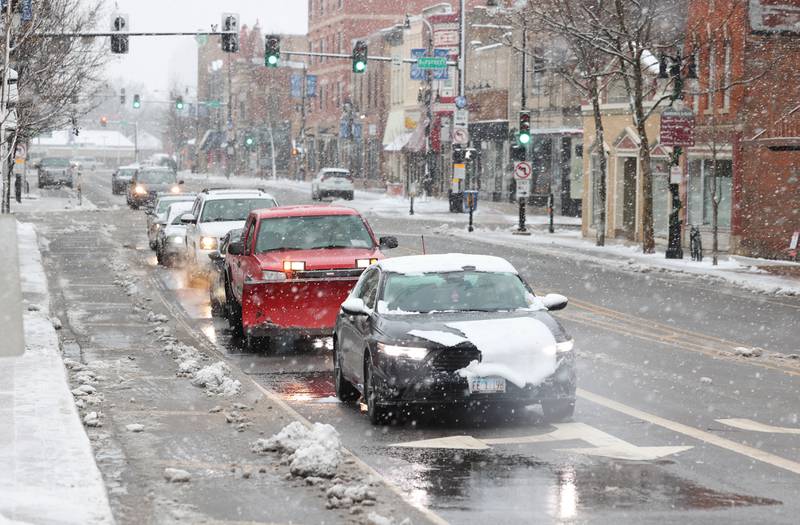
(345, 496)
(439, 337)
(312, 452)
(153, 317)
(526, 354)
(176, 475)
(744, 351)
(373, 518)
(215, 378)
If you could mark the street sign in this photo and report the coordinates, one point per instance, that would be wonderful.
(460, 136)
(675, 175)
(311, 85)
(416, 72)
(523, 188)
(461, 102)
(461, 119)
(397, 61)
(677, 127)
(213, 104)
(459, 171)
(522, 171)
(432, 62)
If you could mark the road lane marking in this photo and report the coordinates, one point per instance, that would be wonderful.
(603, 444)
(755, 426)
(695, 433)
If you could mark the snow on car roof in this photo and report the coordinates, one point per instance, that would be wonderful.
(306, 210)
(446, 262)
(235, 194)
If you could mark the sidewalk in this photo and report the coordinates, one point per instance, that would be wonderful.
(47, 469)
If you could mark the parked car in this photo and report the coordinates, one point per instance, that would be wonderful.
(148, 182)
(293, 267)
(332, 182)
(170, 242)
(157, 215)
(216, 288)
(55, 171)
(121, 178)
(215, 213)
(452, 329)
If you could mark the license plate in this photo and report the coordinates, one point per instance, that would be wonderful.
(487, 385)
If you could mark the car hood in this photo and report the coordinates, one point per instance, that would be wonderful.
(60, 170)
(396, 328)
(158, 187)
(324, 259)
(175, 229)
(218, 229)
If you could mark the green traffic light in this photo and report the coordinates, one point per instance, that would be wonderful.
(179, 105)
(524, 138)
(136, 105)
(272, 60)
(359, 67)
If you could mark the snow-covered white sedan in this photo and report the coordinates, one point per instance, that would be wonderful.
(452, 329)
(170, 242)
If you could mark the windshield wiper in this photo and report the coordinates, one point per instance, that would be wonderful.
(331, 246)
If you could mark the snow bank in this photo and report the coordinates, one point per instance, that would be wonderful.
(216, 379)
(525, 354)
(312, 452)
(446, 262)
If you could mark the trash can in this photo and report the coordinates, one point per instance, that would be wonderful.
(456, 199)
(470, 200)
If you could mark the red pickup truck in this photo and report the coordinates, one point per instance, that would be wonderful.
(292, 269)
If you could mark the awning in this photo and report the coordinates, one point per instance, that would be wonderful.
(395, 127)
(398, 143)
(211, 140)
(416, 143)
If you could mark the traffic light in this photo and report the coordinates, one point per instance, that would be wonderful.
(137, 102)
(518, 153)
(524, 127)
(230, 43)
(249, 141)
(119, 41)
(179, 103)
(122, 96)
(360, 57)
(104, 121)
(272, 50)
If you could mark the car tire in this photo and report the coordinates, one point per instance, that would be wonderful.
(253, 344)
(217, 308)
(345, 390)
(235, 317)
(378, 415)
(558, 410)
(152, 245)
(160, 257)
(348, 196)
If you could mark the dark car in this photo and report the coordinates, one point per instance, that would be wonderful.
(121, 178)
(452, 329)
(148, 182)
(216, 289)
(55, 171)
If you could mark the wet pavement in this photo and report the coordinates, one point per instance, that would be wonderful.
(645, 343)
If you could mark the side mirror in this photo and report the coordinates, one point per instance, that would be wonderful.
(554, 301)
(180, 182)
(215, 256)
(188, 218)
(388, 242)
(236, 248)
(354, 306)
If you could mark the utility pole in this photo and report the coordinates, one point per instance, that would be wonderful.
(520, 151)
(230, 129)
(4, 93)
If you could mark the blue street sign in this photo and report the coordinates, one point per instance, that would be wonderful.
(27, 10)
(357, 131)
(311, 86)
(441, 74)
(461, 102)
(344, 129)
(416, 72)
(297, 85)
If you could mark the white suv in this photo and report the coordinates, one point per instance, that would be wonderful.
(215, 213)
(334, 182)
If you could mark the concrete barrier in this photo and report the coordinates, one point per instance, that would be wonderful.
(11, 324)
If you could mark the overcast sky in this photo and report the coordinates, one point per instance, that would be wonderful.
(163, 61)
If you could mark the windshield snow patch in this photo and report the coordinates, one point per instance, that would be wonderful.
(446, 262)
(437, 336)
(524, 355)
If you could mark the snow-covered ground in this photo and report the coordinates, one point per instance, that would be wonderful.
(65, 200)
(48, 472)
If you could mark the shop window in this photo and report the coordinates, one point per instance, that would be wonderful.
(701, 181)
(661, 195)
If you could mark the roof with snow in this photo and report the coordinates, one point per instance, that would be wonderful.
(87, 138)
(446, 262)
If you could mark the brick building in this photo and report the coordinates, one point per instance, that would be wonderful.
(747, 117)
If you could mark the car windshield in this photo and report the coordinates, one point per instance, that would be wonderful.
(55, 163)
(232, 209)
(453, 291)
(156, 177)
(126, 173)
(327, 175)
(164, 204)
(309, 233)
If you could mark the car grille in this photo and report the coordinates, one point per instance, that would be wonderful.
(453, 359)
(329, 274)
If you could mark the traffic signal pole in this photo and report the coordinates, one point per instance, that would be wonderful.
(521, 229)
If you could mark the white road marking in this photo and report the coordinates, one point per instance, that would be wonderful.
(755, 426)
(707, 437)
(603, 444)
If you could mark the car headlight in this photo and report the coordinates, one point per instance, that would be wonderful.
(140, 190)
(364, 263)
(416, 353)
(176, 239)
(208, 243)
(294, 266)
(267, 275)
(175, 189)
(565, 346)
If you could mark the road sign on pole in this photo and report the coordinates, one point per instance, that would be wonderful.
(677, 127)
(522, 171)
(523, 188)
(432, 62)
